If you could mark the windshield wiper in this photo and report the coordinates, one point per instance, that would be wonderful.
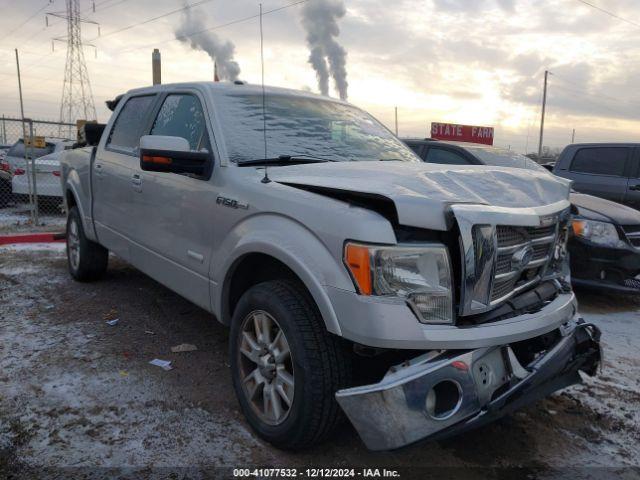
(287, 160)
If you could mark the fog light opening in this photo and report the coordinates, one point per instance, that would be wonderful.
(444, 399)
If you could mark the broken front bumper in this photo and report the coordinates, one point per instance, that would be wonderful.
(444, 393)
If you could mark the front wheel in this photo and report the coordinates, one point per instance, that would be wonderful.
(86, 260)
(286, 367)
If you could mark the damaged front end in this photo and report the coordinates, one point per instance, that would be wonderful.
(442, 393)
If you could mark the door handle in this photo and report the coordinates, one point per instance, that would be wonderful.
(136, 179)
(634, 187)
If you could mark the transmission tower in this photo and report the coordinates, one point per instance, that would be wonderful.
(77, 97)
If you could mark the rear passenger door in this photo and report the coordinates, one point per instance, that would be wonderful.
(113, 171)
(601, 171)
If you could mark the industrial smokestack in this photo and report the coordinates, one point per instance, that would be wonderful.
(156, 67)
(326, 55)
(220, 52)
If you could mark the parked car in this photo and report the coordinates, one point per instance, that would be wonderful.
(5, 178)
(606, 170)
(605, 240)
(605, 247)
(14, 169)
(47, 170)
(349, 283)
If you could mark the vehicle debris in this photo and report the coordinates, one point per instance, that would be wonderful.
(164, 364)
(184, 347)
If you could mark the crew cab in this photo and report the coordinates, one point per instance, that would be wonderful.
(419, 300)
(606, 170)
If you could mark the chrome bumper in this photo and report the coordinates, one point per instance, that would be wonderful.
(446, 392)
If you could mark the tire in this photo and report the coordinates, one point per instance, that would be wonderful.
(86, 260)
(319, 364)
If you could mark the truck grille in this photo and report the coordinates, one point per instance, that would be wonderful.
(522, 254)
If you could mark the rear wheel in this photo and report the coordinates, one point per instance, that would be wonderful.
(286, 367)
(86, 260)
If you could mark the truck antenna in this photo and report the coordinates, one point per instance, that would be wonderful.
(265, 179)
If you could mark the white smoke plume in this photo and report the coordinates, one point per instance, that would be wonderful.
(221, 52)
(326, 56)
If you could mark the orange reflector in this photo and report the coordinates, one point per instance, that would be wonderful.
(157, 160)
(578, 227)
(357, 259)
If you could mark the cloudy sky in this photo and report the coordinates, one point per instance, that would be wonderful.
(464, 61)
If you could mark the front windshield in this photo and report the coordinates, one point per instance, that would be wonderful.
(500, 157)
(303, 126)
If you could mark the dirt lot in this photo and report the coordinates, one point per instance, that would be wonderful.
(78, 396)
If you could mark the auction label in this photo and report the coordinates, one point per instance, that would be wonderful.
(315, 473)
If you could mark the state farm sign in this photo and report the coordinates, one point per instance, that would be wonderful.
(462, 133)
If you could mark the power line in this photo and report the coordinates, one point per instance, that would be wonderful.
(49, 2)
(611, 14)
(216, 27)
(150, 20)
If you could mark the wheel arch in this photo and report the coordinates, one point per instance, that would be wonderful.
(254, 267)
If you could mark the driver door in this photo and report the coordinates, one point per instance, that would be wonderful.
(173, 240)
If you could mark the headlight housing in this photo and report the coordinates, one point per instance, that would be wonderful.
(601, 233)
(421, 275)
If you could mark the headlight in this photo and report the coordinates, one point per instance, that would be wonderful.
(602, 233)
(420, 275)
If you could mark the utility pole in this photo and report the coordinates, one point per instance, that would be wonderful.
(544, 107)
(77, 97)
(573, 136)
(396, 121)
(20, 93)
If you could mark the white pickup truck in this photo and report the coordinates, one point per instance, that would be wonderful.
(420, 300)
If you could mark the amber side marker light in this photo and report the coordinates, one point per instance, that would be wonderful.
(578, 227)
(156, 160)
(357, 260)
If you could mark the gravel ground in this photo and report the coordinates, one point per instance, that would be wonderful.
(79, 398)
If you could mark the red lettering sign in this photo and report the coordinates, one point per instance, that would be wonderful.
(462, 133)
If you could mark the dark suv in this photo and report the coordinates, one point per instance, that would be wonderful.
(606, 170)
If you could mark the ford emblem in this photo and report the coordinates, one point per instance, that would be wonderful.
(521, 258)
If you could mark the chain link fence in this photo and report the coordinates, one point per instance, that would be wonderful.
(30, 189)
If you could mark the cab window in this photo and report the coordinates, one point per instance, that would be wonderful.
(601, 161)
(448, 157)
(181, 115)
(128, 127)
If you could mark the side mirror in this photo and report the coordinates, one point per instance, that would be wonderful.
(159, 153)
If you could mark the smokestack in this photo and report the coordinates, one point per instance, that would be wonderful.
(156, 67)
(326, 55)
(220, 52)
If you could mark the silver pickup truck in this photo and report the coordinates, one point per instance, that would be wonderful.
(420, 300)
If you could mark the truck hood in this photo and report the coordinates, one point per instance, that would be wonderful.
(422, 193)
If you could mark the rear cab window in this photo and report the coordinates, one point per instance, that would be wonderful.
(130, 125)
(18, 150)
(445, 156)
(610, 161)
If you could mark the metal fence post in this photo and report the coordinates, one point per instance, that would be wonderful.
(33, 178)
(4, 131)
